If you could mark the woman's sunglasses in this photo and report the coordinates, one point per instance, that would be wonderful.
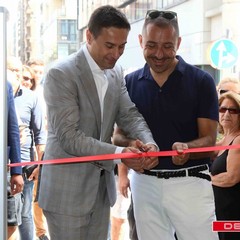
(222, 91)
(28, 79)
(230, 110)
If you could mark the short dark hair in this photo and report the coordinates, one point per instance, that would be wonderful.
(162, 22)
(106, 17)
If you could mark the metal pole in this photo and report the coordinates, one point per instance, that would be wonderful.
(3, 125)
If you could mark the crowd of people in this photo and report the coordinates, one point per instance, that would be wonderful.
(88, 107)
(31, 121)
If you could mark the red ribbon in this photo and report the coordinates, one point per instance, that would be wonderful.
(105, 157)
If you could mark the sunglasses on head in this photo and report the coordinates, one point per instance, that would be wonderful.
(230, 110)
(152, 14)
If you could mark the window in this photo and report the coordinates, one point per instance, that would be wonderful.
(67, 30)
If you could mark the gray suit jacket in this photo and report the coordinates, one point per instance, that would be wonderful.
(74, 129)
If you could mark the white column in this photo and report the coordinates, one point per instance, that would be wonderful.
(3, 125)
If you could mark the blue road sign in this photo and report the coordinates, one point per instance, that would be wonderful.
(224, 54)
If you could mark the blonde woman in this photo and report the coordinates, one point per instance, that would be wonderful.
(228, 84)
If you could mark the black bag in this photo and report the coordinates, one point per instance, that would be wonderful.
(27, 170)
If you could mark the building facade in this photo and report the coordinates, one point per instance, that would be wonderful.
(53, 29)
(202, 22)
(44, 29)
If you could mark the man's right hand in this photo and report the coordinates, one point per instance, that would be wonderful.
(17, 183)
(134, 163)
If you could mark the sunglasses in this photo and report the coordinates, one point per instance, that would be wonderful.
(221, 91)
(152, 14)
(28, 79)
(230, 110)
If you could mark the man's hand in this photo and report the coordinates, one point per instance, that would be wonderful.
(134, 163)
(34, 175)
(149, 162)
(17, 184)
(123, 180)
(182, 157)
(146, 162)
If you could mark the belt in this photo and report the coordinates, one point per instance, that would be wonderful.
(191, 172)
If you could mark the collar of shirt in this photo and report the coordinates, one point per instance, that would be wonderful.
(92, 64)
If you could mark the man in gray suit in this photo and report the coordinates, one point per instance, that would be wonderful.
(85, 96)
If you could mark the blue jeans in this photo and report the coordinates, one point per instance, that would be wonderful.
(109, 231)
(26, 229)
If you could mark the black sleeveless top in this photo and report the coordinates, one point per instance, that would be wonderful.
(227, 199)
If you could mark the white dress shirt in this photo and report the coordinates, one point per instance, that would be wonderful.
(101, 82)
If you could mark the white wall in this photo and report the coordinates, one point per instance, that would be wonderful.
(132, 56)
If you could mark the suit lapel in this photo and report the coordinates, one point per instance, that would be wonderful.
(109, 101)
(109, 113)
(88, 83)
(86, 78)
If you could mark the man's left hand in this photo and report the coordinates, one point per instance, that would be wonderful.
(182, 157)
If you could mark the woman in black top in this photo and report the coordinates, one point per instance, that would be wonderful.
(225, 169)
